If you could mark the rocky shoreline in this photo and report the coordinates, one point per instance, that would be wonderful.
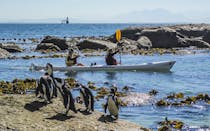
(26, 112)
(176, 39)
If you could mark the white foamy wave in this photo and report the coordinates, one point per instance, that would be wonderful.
(136, 99)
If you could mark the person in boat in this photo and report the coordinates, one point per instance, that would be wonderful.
(110, 60)
(71, 58)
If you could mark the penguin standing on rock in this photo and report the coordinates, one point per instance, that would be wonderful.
(46, 84)
(112, 104)
(68, 100)
(87, 97)
(43, 87)
(49, 69)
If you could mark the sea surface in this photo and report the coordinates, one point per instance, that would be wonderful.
(190, 74)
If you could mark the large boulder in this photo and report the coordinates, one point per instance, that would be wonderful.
(162, 37)
(131, 33)
(192, 30)
(144, 42)
(4, 53)
(206, 37)
(47, 46)
(95, 44)
(61, 43)
(11, 47)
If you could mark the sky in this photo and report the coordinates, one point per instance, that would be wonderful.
(106, 11)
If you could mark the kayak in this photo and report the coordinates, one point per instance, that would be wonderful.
(153, 66)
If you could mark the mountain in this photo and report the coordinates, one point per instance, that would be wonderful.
(152, 16)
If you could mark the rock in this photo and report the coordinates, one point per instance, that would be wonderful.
(162, 37)
(206, 37)
(128, 45)
(168, 36)
(11, 47)
(144, 42)
(198, 43)
(95, 44)
(47, 46)
(19, 111)
(131, 32)
(192, 30)
(73, 41)
(61, 43)
(4, 53)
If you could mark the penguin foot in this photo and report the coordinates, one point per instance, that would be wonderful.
(66, 113)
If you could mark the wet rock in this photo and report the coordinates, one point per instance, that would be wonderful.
(101, 93)
(4, 54)
(11, 47)
(176, 96)
(144, 42)
(127, 88)
(204, 97)
(162, 103)
(34, 40)
(61, 43)
(183, 52)
(153, 92)
(164, 128)
(71, 81)
(92, 86)
(95, 44)
(168, 124)
(47, 46)
(162, 37)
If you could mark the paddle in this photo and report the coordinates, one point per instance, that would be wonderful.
(118, 38)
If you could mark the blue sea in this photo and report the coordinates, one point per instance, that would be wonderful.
(190, 74)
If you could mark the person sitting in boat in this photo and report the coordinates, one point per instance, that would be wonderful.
(71, 58)
(110, 60)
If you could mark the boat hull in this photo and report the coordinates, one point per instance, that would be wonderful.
(154, 66)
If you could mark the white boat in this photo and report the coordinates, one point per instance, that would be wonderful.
(153, 66)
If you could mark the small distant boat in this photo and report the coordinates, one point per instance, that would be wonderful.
(154, 66)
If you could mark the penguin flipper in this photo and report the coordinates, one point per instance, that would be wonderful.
(105, 107)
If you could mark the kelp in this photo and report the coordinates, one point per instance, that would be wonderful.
(168, 124)
(17, 86)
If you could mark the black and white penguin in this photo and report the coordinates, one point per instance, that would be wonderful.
(68, 100)
(46, 84)
(45, 87)
(49, 70)
(112, 104)
(87, 97)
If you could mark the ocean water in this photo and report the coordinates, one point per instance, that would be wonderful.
(190, 74)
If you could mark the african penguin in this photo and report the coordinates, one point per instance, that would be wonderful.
(45, 87)
(49, 71)
(112, 104)
(68, 100)
(87, 97)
